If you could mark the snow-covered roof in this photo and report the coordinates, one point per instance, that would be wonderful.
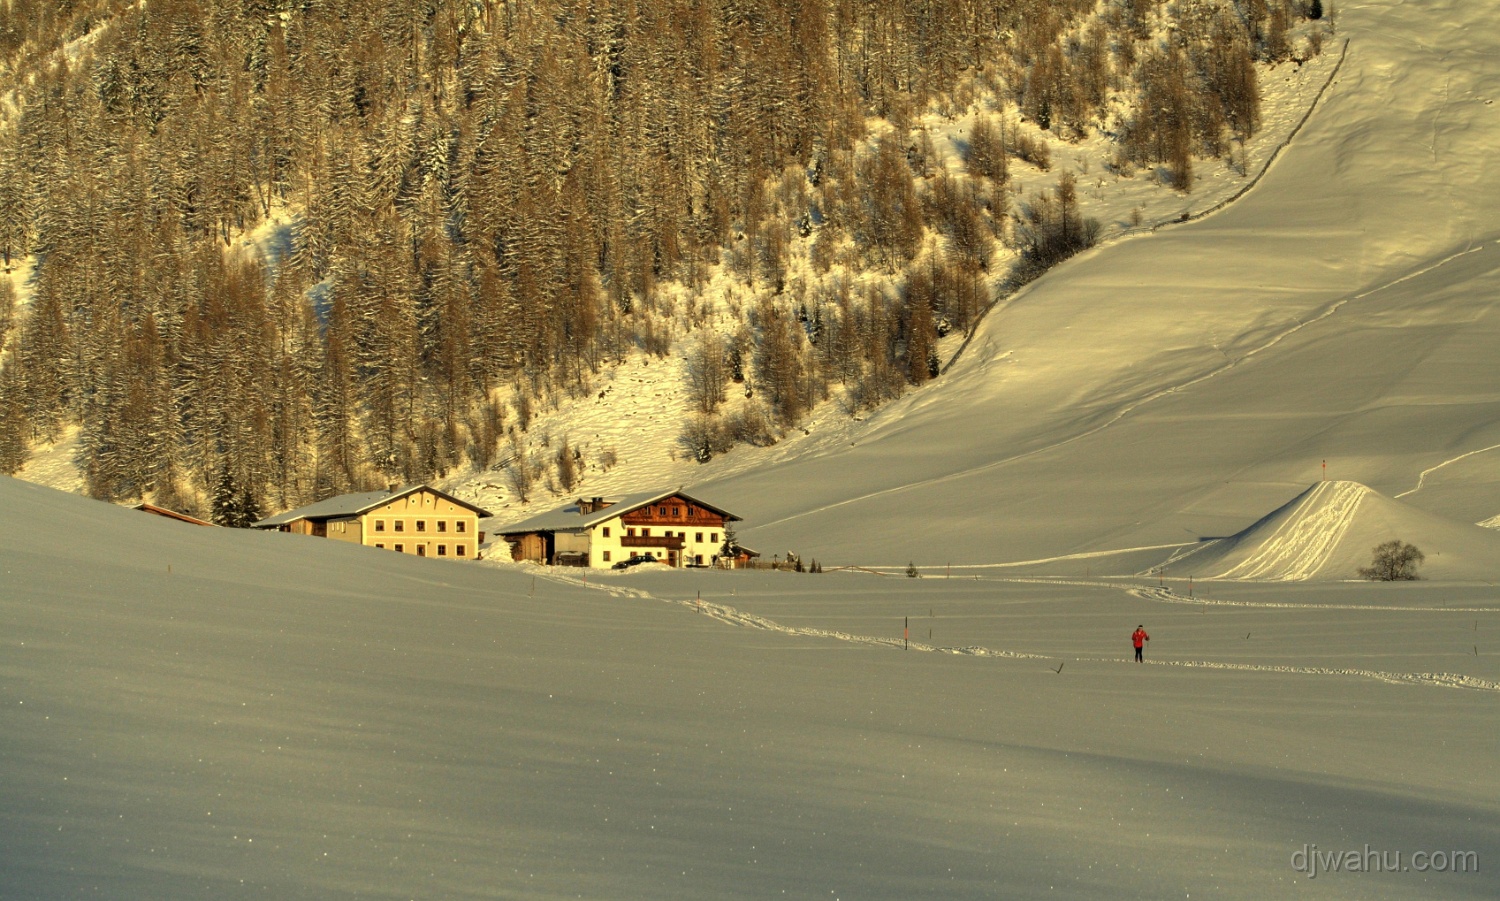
(571, 518)
(171, 514)
(355, 504)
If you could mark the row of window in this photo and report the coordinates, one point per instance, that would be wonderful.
(646, 533)
(697, 559)
(421, 524)
(459, 550)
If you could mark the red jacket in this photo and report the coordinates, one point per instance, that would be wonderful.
(1140, 637)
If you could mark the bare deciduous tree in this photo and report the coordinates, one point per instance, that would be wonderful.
(1393, 561)
(707, 372)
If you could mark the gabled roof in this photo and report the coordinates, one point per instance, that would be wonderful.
(571, 519)
(355, 504)
(171, 514)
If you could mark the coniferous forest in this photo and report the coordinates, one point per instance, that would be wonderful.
(279, 249)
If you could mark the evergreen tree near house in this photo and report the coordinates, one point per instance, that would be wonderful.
(249, 511)
(226, 501)
(235, 505)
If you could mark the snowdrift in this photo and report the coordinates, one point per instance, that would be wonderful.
(1327, 533)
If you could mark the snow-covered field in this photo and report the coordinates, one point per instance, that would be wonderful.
(197, 713)
(204, 713)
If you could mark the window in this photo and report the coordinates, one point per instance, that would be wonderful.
(442, 525)
(421, 525)
(379, 545)
(606, 533)
(698, 537)
(661, 511)
(380, 525)
(400, 548)
(606, 556)
(714, 537)
(400, 526)
(630, 533)
(645, 533)
(442, 550)
(421, 550)
(460, 550)
(676, 511)
(461, 526)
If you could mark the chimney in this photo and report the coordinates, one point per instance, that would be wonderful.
(391, 487)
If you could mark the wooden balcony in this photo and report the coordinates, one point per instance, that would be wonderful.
(672, 543)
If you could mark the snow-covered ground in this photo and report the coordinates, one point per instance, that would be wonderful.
(190, 712)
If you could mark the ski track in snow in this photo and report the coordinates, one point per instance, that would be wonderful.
(1168, 596)
(1302, 544)
(1422, 479)
(727, 614)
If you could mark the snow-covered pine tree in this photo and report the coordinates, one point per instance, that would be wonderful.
(225, 509)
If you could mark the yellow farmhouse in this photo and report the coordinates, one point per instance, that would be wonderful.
(418, 520)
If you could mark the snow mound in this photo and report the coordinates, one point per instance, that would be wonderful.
(1327, 533)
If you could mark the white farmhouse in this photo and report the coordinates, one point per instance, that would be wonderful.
(671, 527)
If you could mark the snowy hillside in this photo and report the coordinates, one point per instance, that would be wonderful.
(1189, 382)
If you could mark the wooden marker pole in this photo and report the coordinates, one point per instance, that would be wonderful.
(906, 635)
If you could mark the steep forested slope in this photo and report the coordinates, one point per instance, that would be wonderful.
(289, 247)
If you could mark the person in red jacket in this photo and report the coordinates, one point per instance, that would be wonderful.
(1139, 639)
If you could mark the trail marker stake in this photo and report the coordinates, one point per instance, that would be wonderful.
(906, 635)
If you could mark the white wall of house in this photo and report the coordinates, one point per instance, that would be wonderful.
(605, 549)
(699, 545)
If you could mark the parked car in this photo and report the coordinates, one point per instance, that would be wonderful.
(634, 561)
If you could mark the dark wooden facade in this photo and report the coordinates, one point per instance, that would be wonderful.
(674, 511)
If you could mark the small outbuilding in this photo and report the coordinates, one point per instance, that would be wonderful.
(670, 527)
